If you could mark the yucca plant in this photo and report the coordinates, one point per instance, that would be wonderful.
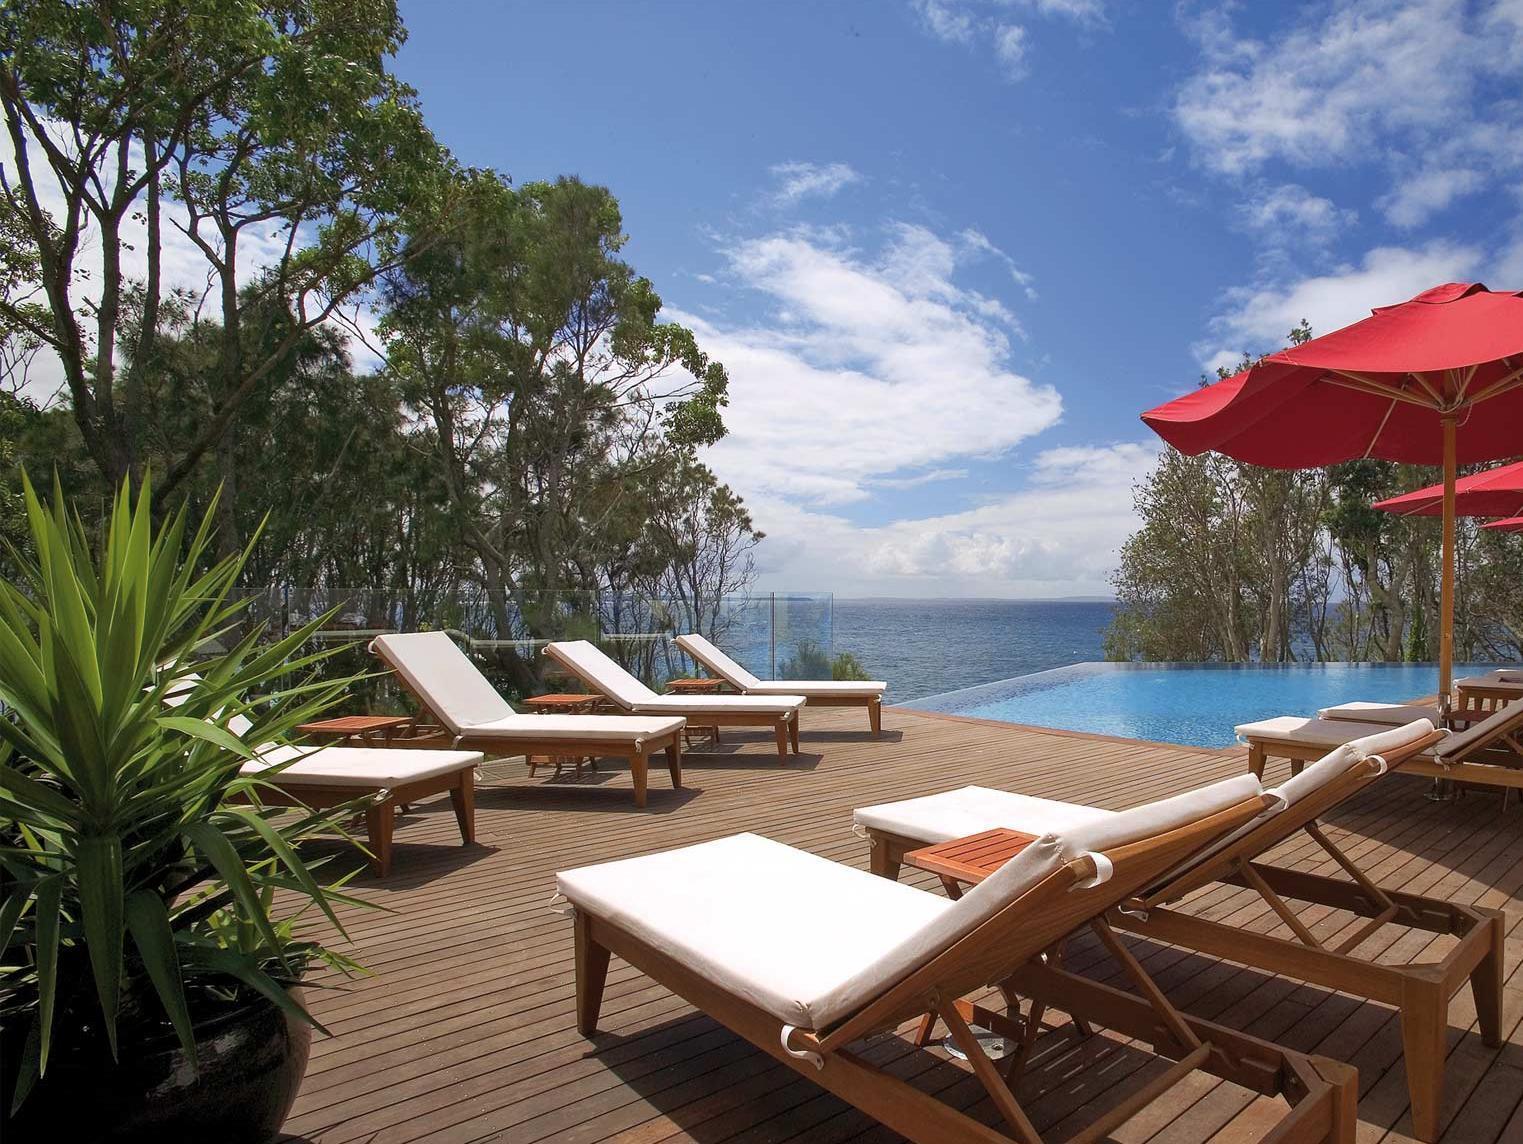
(139, 874)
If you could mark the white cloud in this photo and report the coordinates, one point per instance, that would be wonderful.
(946, 20)
(987, 22)
(927, 478)
(1260, 317)
(975, 242)
(865, 366)
(1059, 537)
(1428, 192)
(1349, 79)
(1290, 211)
(1010, 49)
(798, 180)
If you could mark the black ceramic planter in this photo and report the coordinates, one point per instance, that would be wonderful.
(250, 1064)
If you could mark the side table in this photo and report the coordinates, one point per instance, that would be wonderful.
(696, 687)
(360, 730)
(561, 703)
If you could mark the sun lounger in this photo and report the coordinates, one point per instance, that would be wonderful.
(1386, 714)
(819, 692)
(472, 715)
(1488, 752)
(331, 776)
(603, 675)
(1492, 691)
(323, 777)
(805, 957)
(1421, 991)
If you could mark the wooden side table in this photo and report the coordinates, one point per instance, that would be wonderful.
(968, 861)
(561, 703)
(697, 687)
(360, 730)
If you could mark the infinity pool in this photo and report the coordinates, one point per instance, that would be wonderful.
(1193, 704)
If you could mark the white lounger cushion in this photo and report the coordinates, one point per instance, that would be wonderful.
(598, 671)
(822, 688)
(1375, 737)
(972, 810)
(707, 653)
(810, 940)
(467, 703)
(359, 767)
(1500, 675)
(1392, 714)
(586, 728)
(445, 678)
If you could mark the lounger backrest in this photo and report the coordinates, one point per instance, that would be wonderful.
(704, 651)
(1033, 865)
(1298, 801)
(443, 678)
(598, 671)
(1503, 721)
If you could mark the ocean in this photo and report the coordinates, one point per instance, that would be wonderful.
(924, 647)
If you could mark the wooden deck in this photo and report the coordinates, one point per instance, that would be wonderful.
(465, 1031)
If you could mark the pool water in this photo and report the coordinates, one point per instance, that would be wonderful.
(1192, 704)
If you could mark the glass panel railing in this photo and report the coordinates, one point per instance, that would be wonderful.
(775, 635)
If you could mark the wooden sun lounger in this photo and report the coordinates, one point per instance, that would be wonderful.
(1007, 933)
(1421, 991)
(322, 777)
(601, 674)
(1488, 752)
(394, 777)
(1490, 692)
(469, 714)
(819, 692)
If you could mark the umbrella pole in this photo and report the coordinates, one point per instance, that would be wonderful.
(1446, 583)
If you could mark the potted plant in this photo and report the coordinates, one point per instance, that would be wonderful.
(153, 914)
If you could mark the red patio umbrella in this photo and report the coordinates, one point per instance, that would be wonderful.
(1495, 492)
(1435, 380)
(1511, 524)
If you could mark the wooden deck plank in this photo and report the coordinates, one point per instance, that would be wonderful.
(464, 1032)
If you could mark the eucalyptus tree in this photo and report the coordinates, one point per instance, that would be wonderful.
(241, 159)
(548, 383)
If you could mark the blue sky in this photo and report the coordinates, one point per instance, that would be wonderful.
(949, 249)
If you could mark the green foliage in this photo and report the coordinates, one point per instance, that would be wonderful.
(240, 122)
(139, 868)
(810, 661)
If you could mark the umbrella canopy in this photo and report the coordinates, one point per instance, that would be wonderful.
(1511, 524)
(1435, 380)
(1496, 492)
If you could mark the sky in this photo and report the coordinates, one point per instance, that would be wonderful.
(949, 250)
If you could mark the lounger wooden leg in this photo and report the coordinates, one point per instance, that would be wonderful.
(1256, 759)
(639, 769)
(591, 973)
(674, 761)
(782, 739)
(989, 1077)
(875, 716)
(881, 859)
(1424, 1026)
(1486, 983)
(925, 1030)
(793, 732)
(378, 823)
(463, 797)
